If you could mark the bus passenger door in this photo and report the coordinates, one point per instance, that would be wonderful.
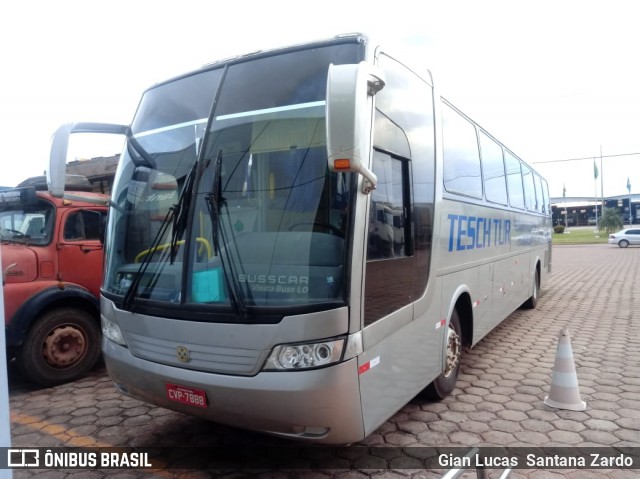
(390, 263)
(385, 366)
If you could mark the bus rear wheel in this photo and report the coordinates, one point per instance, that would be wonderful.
(62, 345)
(443, 385)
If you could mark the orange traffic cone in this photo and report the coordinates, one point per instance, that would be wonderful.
(564, 393)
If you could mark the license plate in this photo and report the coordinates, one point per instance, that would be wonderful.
(186, 395)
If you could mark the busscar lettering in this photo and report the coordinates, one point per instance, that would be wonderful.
(475, 232)
(262, 283)
(273, 279)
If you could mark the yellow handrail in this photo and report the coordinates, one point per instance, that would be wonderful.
(204, 242)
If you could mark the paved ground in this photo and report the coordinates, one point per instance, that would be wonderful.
(498, 402)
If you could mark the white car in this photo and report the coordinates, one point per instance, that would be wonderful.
(625, 237)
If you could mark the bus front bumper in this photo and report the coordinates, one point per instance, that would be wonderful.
(321, 405)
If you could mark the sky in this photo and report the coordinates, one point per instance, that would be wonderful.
(558, 82)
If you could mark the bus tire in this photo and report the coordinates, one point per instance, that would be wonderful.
(62, 345)
(532, 302)
(444, 384)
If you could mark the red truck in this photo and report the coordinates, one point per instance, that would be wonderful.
(52, 259)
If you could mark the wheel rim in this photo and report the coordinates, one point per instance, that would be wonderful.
(453, 352)
(64, 346)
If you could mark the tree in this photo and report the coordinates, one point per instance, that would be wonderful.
(611, 220)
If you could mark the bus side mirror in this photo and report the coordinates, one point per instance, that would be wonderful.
(58, 160)
(56, 173)
(350, 91)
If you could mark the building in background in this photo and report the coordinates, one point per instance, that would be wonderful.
(581, 210)
(95, 174)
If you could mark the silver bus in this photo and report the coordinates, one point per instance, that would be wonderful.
(304, 239)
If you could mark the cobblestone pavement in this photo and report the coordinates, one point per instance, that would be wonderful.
(498, 401)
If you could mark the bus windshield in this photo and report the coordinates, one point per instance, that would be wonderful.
(225, 199)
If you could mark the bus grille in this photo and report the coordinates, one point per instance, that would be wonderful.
(214, 359)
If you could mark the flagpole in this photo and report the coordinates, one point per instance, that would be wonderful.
(601, 182)
(595, 188)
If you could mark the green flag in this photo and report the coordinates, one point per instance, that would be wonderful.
(628, 185)
(564, 191)
(595, 170)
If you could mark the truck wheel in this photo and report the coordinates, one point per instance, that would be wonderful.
(442, 386)
(62, 345)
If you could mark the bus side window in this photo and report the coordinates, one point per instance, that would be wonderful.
(387, 222)
(495, 186)
(461, 156)
(529, 189)
(540, 203)
(514, 181)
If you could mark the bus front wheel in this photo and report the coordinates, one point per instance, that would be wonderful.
(443, 385)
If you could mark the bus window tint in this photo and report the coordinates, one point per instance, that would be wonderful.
(529, 188)
(514, 180)
(495, 186)
(546, 207)
(540, 194)
(461, 159)
(386, 225)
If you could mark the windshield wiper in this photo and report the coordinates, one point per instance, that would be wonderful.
(182, 212)
(177, 217)
(215, 200)
(135, 282)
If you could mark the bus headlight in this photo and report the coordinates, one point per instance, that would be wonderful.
(112, 331)
(287, 357)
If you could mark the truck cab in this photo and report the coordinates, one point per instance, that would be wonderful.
(52, 259)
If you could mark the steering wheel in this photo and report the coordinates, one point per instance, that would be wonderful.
(314, 224)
